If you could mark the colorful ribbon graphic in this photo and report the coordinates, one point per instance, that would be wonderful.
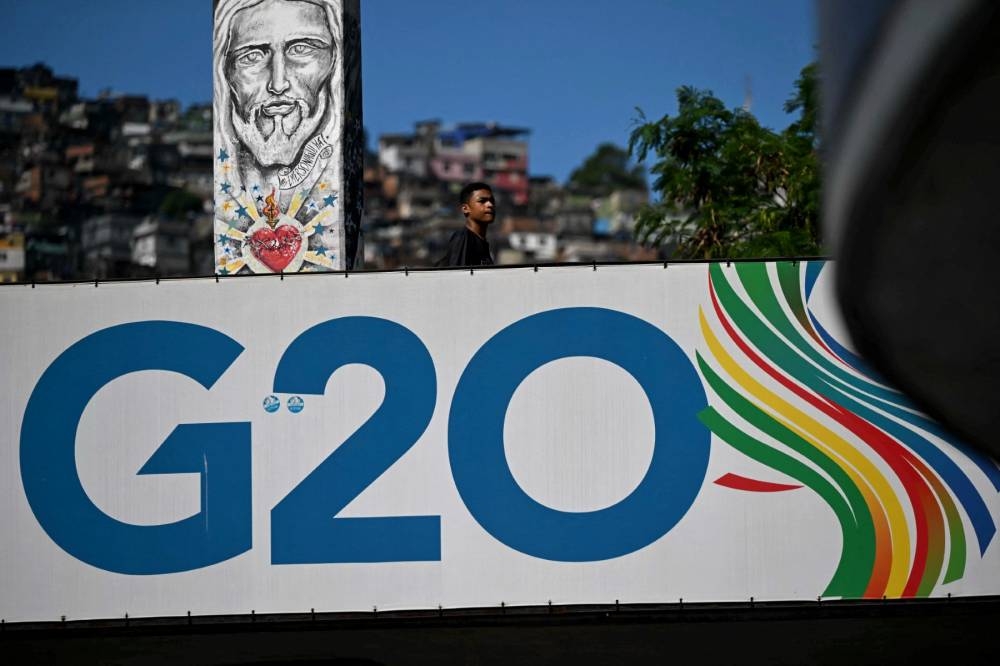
(796, 400)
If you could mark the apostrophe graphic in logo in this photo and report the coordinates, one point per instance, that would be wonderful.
(790, 396)
(271, 404)
(295, 404)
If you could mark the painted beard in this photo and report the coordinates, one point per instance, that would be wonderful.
(277, 140)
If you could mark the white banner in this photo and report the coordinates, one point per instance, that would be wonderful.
(637, 434)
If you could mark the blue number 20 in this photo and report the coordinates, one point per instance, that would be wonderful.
(476, 444)
(304, 525)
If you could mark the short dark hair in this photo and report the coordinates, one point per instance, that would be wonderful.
(463, 197)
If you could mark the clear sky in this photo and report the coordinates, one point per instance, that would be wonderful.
(573, 71)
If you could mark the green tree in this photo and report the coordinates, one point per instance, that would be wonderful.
(606, 170)
(178, 203)
(726, 186)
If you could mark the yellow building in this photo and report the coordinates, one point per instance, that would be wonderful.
(11, 257)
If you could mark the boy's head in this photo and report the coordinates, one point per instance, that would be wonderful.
(477, 203)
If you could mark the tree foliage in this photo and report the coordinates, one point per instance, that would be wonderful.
(606, 170)
(178, 203)
(726, 186)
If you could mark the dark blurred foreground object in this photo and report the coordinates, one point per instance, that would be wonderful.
(911, 132)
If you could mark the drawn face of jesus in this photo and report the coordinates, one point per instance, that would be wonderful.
(280, 59)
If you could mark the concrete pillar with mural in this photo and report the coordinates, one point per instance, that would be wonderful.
(288, 135)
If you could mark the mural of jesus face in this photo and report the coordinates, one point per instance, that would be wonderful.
(286, 120)
(280, 59)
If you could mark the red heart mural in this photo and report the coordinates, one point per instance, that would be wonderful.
(276, 249)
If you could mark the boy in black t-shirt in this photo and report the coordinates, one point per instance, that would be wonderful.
(468, 246)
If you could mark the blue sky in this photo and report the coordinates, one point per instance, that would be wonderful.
(573, 71)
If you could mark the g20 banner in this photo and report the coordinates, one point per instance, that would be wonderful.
(640, 434)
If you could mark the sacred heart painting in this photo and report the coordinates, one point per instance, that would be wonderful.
(288, 135)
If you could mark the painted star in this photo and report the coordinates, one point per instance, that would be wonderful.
(259, 199)
(227, 206)
(330, 199)
(223, 155)
(312, 205)
(321, 251)
(323, 186)
(222, 238)
(319, 229)
(226, 187)
(242, 212)
(223, 271)
(233, 224)
(255, 189)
